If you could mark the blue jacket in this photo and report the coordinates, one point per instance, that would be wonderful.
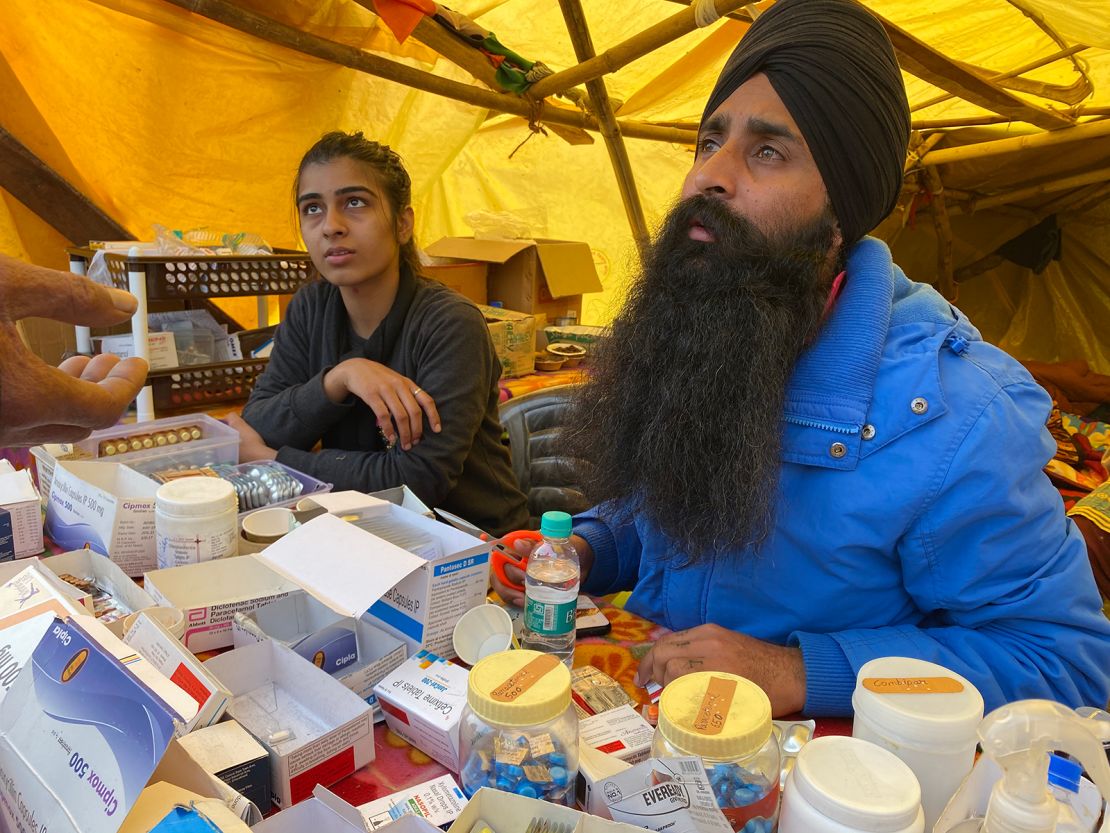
(914, 518)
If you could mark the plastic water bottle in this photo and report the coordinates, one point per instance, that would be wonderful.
(551, 590)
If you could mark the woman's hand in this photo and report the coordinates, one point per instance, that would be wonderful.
(397, 401)
(251, 445)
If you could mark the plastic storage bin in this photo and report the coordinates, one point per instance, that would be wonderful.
(217, 443)
(519, 731)
(726, 721)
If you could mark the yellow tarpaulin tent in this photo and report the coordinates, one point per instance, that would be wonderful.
(157, 113)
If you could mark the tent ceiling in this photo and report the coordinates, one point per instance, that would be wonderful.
(156, 113)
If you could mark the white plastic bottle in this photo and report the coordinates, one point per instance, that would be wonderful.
(551, 590)
(1019, 737)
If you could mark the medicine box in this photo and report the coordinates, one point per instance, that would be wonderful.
(422, 608)
(168, 808)
(315, 730)
(228, 752)
(621, 732)
(180, 768)
(59, 768)
(438, 802)
(20, 516)
(93, 568)
(210, 593)
(508, 811)
(218, 443)
(423, 701)
(104, 506)
(324, 812)
(153, 641)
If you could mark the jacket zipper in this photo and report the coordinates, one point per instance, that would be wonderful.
(825, 426)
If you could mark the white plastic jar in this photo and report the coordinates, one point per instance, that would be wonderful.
(195, 519)
(924, 714)
(847, 785)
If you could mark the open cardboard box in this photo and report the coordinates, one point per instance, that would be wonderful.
(328, 624)
(316, 730)
(105, 574)
(106, 506)
(534, 276)
(81, 732)
(511, 812)
(153, 641)
(421, 608)
(324, 812)
(20, 518)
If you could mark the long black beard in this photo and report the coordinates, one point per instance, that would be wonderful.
(681, 419)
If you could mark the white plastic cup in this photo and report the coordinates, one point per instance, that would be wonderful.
(171, 617)
(933, 733)
(847, 785)
(267, 525)
(481, 631)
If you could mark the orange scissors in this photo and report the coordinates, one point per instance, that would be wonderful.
(503, 551)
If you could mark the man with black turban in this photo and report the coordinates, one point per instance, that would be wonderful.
(803, 460)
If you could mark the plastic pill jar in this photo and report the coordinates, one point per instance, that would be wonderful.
(519, 731)
(924, 714)
(847, 785)
(195, 519)
(726, 721)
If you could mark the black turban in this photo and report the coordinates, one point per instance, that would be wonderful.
(833, 66)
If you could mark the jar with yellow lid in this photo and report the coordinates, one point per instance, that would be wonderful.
(519, 731)
(726, 721)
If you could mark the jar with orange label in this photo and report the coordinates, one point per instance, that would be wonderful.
(519, 731)
(726, 721)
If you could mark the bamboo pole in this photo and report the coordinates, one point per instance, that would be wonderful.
(920, 59)
(288, 37)
(1013, 73)
(967, 121)
(999, 147)
(1030, 191)
(434, 36)
(915, 154)
(49, 195)
(618, 155)
(627, 51)
(946, 283)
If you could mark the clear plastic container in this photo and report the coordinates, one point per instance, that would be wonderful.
(726, 721)
(519, 732)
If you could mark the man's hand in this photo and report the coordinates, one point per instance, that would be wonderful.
(776, 669)
(395, 400)
(523, 549)
(251, 445)
(40, 403)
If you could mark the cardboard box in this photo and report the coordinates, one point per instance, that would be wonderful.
(179, 768)
(167, 808)
(105, 574)
(151, 640)
(468, 278)
(621, 732)
(316, 730)
(422, 608)
(325, 812)
(107, 507)
(162, 348)
(508, 811)
(514, 339)
(534, 276)
(209, 595)
(228, 752)
(34, 590)
(438, 802)
(20, 518)
(58, 767)
(423, 701)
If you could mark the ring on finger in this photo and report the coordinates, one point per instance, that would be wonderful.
(417, 391)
